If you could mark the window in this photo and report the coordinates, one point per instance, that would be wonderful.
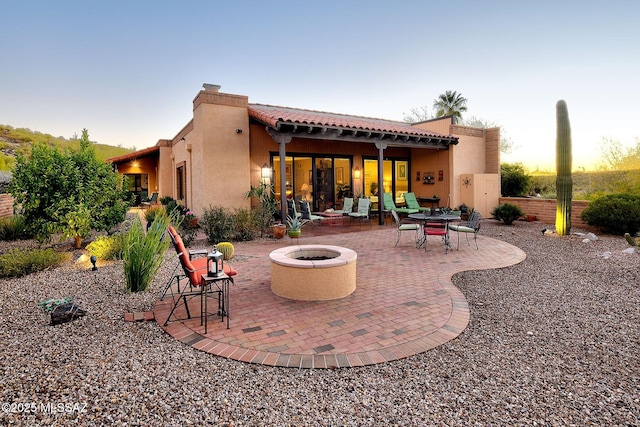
(181, 182)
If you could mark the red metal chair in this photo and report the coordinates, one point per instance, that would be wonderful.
(436, 231)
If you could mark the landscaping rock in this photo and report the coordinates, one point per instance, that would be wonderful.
(66, 313)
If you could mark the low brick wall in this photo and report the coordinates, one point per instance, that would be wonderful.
(545, 209)
(6, 205)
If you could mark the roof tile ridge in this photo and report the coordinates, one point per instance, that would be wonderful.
(332, 113)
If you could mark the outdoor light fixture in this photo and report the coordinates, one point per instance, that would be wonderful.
(238, 130)
(93, 261)
(215, 263)
(356, 173)
(266, 171)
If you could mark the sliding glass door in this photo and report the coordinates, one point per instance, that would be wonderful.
(321, 180)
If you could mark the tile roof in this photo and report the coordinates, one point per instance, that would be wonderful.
(276, 116)
(134, 154)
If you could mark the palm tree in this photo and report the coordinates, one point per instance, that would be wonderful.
(450, 103)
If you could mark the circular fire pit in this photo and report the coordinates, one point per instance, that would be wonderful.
(313, 272)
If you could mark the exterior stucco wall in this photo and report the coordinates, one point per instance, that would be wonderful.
(477, 152)
(431, 161)
(219, 173)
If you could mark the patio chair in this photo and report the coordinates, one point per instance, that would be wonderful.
(471, 226)
(178, 245)
(406, 226)
(305, 210)
(412, 202)
(148, 202)
(436, 231)
(347, 206)
(389, 205)
(191, 276)
(363, 211)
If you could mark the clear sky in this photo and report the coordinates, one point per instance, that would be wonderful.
(128, 70)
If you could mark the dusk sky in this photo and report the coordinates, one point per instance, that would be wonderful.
(128, 70)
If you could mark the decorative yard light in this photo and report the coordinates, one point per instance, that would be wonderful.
(93, 261)
(215, 263)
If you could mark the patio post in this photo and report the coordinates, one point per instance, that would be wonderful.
(381, 147)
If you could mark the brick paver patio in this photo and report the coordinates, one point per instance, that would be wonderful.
(404, 303)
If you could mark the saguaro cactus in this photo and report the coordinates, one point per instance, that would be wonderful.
(564, 181)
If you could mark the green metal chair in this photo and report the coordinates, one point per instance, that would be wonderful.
(412, 202)
(389, 205)
(406, 226)
(347, 206)
(363, 211)
(472, 226)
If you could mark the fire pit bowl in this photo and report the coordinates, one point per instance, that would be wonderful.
(313, 272)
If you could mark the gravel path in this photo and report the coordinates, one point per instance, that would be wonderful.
(552, 341)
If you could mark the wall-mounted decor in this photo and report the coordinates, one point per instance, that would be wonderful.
(402, 171)
(440, 175)
(418, 176)
(428, 178)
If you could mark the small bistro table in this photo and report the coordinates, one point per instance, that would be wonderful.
(446, 218)
(222, 283)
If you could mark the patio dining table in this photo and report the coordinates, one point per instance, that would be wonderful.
(425, 219)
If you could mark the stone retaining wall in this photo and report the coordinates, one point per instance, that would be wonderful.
(545, 209)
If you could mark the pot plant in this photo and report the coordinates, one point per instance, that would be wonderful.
(279, 230)
(295, 226)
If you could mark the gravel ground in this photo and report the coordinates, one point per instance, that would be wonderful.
(552, 341)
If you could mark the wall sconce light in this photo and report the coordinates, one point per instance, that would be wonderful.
(266, 172)
(238, 130)
(356, 173)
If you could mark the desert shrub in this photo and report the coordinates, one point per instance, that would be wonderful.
(246, 225)
(20, 262)
(218, 224)
(144, 253)
(164, 200)
(108, 247)
(152, 213)
(614, 213)
(513, 180)
(507, 213)
(13, 228)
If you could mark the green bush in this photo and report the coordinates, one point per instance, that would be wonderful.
(218, 224)
(614, 213)
(20, 262)
(246, 225)
(153, 212)
(513, 180)
(108, 247)
(13, 228)
(144, 253)
(164, 200)
(507, 213)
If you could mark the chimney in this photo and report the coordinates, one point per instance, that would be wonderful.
(211, 88)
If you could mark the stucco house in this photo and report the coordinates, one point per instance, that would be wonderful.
(231, 144)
